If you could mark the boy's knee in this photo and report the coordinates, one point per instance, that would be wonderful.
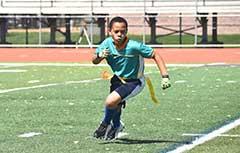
(113, 100)
(110, 104)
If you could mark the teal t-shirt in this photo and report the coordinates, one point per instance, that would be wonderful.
(128, 62)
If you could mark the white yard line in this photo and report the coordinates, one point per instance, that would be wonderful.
(207, 137)
(26, 88)
(12, 71)
(59, 64)
(48, 85)
(76, 64)
(220, 135)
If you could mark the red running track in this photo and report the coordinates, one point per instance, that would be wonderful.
(83, 55)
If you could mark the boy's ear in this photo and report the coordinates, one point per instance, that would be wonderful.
(109, 31)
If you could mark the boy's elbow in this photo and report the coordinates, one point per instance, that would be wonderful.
(154, 55)
(94, 62)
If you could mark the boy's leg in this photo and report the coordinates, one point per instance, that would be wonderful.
(117, 117)
(126, 91)
(107, 130)
(117, 125)
(118, 91)
(111, 107)
(105, 126)
(109, 113)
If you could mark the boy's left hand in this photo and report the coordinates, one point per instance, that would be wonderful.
(165, 83)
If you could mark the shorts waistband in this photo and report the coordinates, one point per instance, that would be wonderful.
(127, 79)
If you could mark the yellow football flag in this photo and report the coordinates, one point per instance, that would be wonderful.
(106, 75)
(151, 90)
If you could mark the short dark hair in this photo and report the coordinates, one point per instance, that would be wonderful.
(118, 19)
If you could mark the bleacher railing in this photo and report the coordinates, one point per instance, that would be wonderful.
(142, 9)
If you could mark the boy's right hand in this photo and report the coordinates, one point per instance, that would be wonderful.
(104, 54)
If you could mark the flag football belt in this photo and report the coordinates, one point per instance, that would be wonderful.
(107, 76)
(149, 84)
(125, 80)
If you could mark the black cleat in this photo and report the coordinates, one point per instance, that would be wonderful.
(112, 134)
(101, 131)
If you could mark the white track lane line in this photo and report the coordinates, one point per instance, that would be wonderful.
(90, 65)
(207, 137)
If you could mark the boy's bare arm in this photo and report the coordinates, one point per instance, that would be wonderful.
(163, 70)
(160, 63)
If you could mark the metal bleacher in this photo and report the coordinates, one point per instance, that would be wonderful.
(100, 9)
(89, 7)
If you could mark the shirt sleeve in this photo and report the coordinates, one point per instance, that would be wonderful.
(145, 50)
(102, 46)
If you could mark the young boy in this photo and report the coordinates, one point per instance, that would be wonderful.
(126, 59)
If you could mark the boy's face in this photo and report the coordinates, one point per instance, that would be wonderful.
(118, 32)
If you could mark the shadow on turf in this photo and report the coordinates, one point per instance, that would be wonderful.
(136, 141)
